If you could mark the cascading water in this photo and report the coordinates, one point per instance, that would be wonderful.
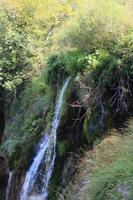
(9, 184)
(32, 173)
(45, 156)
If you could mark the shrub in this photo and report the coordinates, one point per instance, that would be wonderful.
(113, 74)
(16, 49)
(96, 24)
(61, 65)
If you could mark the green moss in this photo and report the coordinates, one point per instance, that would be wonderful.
(20, 147)
(49, 118)
(92, 129)
(31, 127)
(30, 116)
(62, 147)
(9, 147)
(67, 94)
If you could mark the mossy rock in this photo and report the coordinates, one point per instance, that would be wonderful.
(94, 127)
(62, 147)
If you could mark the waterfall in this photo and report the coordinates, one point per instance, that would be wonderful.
(45, 155)
(9, 185)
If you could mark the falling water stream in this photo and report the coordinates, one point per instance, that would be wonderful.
(43, 162)
(9, 185)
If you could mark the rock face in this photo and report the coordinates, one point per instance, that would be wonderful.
(69, 170)
(3, 176)
(2, 125)
(16, 186)
(2, 117)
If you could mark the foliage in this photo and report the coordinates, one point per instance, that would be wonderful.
(115, 65)
(36, 87)
(108, 78)
(62, 147)
(31, 127)
(25, 29)
(61, 65)
(27, 120)
(97, 43)
(113, 74)
(46, 11)
(16, 49)
(55, 70)
(47, 15)
(9, 147)
(26, 133)
(95, 24)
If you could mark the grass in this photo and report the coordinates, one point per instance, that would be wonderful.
(114, 168)
(107, 172)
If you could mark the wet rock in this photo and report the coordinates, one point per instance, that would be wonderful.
(16, 185)
(70, 169)
(3, 176)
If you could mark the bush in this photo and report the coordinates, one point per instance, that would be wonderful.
(16, 49)
(109, 74)
(61, 65)
(96, 24)
(113, 74)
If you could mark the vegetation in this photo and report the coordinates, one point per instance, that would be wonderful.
(105, 173)
(96, 25)
(63, 65)
(41, 44)
(24, 26)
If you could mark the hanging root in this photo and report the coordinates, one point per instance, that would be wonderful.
(96, 97)
(119, 98)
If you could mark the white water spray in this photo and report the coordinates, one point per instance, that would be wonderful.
(46, 154)
(9, 185)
